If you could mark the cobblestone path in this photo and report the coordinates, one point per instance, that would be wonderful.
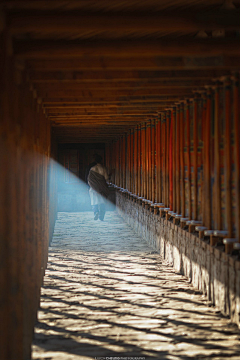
(108, 294)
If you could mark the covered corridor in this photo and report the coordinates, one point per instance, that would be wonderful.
(153, 88)
(108, 294)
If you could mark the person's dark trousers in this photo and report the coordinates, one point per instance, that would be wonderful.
(102, 211)
(96, 212)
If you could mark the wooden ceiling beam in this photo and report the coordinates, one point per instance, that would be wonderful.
(55, 78)
(132, 63)
(107, 77)
(110, 119)
(145, 101)
(144, 96)
(190, 21)
(103, 5)
(93, 125)
(127, 48)
(52, 115)
(95, 95)
(118, 110)
(103, 106)
(137, 117)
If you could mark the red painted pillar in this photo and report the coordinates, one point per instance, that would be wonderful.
(139, 161)
(182, 159)
(177, 157)
(158, 160)
(164, 156)
(143, 166)
(153, 160)
(206, 168)
(135, 160)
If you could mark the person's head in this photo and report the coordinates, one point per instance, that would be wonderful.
(98, 158)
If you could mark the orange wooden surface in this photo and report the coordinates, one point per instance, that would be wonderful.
(182, 182)
(236, 100)
(177, 156)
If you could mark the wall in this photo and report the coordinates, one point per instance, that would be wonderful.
(208, 268)
(24, 206)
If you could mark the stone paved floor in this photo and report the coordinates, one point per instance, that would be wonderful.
(108, 294)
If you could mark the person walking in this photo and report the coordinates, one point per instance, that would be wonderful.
(97, 180)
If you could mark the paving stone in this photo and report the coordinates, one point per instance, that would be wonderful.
(107, 294)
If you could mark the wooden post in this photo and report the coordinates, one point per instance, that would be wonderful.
(195, 157)
(164, 156)
(124, 160)
(153, 161)
(158, 157)
(148, 129)
(187, 170)
(236, 101)
(192, 200)
(228, 158)
(177, 157)
(168, 159)
(221, 132)
(200, 124)
(128, 161)
(139, 160)
(143, 151)
(173, 126)
(117, 162)
(182, 168)
(131, 161)
(217, 190)
(206, 168)
(135, 160)
(120, 162)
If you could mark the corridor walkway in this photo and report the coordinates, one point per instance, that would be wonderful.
(108, 295)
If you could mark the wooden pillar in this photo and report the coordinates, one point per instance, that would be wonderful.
(228, 155)
(207, 220)
(173, 149)
(216, 187)
(182, 158)
(124, 161)
(148, 132)
(135, 134)
(153, 160)
(143, 165)
(120, 161)
(177, 157)
(236, 102)
(158, 159)
(23, 211)
(130, 160)
(192, 199)
(221, 131)
(139, 161)
(200, 124)
(164, 156)
(195, 158)
(168, 157)
(117, 162)
(187, 160)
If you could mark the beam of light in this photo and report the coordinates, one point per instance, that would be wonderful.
(72, 192)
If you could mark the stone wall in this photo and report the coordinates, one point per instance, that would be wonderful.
(210, 270)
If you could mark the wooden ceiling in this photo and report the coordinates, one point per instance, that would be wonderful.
(98, 68)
